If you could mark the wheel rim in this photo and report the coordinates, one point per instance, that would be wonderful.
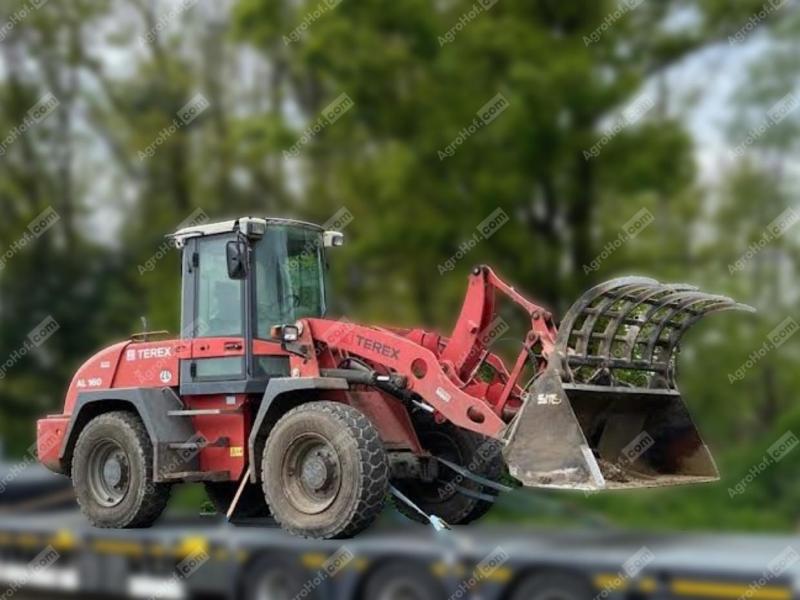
(275, 586)
(311, 473)
(551, 594)
(109, 473)
(400, 590)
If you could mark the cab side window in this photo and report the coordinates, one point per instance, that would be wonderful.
(219, 298)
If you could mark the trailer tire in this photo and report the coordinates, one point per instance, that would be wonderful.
(252, 504)
(441, 497)
(553, 586)
(402, 581)
(274, 576)
(112, 473)
(325, 472)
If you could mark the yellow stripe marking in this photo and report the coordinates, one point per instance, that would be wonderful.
(313, 560)
(118, 547)
(63, 540)
(711, 589)
(192, 546)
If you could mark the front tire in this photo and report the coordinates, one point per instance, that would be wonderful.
(445, 497)
(324, 471)
(112, 473)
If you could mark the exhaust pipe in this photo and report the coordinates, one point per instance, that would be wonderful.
(606, 412)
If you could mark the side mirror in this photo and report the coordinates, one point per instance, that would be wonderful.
(236, 254)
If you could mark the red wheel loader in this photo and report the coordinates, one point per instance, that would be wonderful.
(281, 412)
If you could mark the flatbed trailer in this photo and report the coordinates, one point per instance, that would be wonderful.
(208, 558)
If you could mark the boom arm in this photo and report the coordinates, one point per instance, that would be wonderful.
(465, 347)
(426, 376)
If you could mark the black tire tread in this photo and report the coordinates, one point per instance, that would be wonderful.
(374, 478)
(156, 495)
(491, 469)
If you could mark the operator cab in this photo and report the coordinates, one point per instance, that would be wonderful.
(241, 278)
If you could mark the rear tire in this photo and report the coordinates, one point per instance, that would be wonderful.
(324, 471)
(112, 473)
(441, 497)
(274, 576)
(553, 586)
(252, 504)
(403, 581)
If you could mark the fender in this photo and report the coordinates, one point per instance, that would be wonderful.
(282, 394)
(152, 405)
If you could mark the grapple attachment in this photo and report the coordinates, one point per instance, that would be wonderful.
(606, 411)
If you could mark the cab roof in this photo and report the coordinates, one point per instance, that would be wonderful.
(206, 229)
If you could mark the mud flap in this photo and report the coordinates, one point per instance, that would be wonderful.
(606, 412)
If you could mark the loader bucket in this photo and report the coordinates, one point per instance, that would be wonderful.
(606, 411)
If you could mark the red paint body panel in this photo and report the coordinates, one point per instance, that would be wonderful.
(151, 364)
(234, 426)
(49, 435)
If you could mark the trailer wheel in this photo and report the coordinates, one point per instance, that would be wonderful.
(112, 473)
(402, 581)
(553, 586)
(445, 497)
(325, 472)
(252, 504)
(275, 577)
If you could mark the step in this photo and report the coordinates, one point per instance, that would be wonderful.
(202, 412)
(222, 442)
(195, 476)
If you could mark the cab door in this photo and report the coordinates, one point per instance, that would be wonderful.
(214, 320)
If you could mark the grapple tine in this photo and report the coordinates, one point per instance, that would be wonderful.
(606, 412)
(647, 294)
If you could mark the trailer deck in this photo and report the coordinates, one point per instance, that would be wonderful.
(206, 557)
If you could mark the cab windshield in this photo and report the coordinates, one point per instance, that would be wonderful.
(290, 277)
